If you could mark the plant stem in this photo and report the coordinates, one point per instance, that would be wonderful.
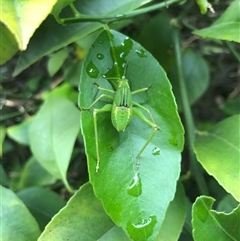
(190, 128)
(117, 17)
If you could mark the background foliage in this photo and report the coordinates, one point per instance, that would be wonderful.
(46, 161)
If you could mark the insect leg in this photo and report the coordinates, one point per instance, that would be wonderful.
(145, 109)
(140, 90)
(140, 115)
(106, 108)
(100, 97)
(104, 89)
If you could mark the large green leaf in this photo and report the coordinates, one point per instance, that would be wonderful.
(135, 198)
(42, 208)
(2, 137)
(53, 133)
(19, 132)
(227, 27)
(218, 150)
(16, 222)
(8, 45)
(57, 36)
(211, 225)
(83, 218)
(23, 17)
(33, 174)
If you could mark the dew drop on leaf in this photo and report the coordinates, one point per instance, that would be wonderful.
(135, 188)
(100, 41)
(100, 56)
(141, 53)
(92, 70)
(156, 151)
(143, 229)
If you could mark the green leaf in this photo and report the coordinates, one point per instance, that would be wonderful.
(57, 36)
(15, 220)
(56, 61)
(196, 75)
(53, 133)
(23, 17)
(2, 137)
(42, 208)
(218, 151)
(231, 107)
(4, 180)
(83, 218)
(174, 218)
(160, 44)
(227, 204)
(34, 174)
(128, 193)
(211, 225)
(8, 45)
(64, 90)
(20, 132)
(227, 27)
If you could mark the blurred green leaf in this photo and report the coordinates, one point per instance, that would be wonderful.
(16, 221)
(8, 45)
(196, 76)
(218, 150)
(53, 133)
(72, 73)
(227, 204)
(20, 132)
(83, 218)
(42, 203)
(56, 61)
(227, 27)
(64, 90)
(23, 17)
(211, 225)
(120, 184)
(4, 181)
(158, 44)
(33, 174)
(231, 107)
(2, 137)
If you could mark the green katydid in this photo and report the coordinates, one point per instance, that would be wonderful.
(122, 109)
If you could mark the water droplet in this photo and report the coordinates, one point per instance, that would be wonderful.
(100, 41)
(173, 140)
(122, 55)
(100, 56)
(156, 151)
(141, 53)
(143, 229)
(110, 148)
(92, 47)
(92, 70)
(120, 16)
(135, 188)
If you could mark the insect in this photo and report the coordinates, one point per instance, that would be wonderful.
(122, 109)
